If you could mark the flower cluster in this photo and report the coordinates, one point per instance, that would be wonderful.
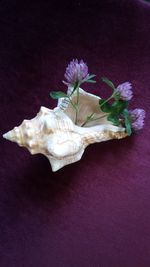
(133, 120)
(76, 72)
(137, 117)
(124, 90)
(116, 111)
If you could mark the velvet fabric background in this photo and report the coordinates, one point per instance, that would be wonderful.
(96, 212)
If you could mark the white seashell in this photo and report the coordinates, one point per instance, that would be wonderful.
(54, 134)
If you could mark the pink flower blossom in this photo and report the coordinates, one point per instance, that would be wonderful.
(125, 91)
(76, 72)
(137, 117)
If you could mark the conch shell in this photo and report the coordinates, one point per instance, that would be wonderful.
(54, 134)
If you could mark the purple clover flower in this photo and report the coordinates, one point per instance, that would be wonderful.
(137, 117)
(125, 91)
(76, 71)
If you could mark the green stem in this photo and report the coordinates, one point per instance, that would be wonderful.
(107, 100)
(75, 87)
(99, 118)
(74, 106)
(77, 104)
(89, 119)
(77, 95)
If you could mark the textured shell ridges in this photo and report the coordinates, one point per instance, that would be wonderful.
(54, 134)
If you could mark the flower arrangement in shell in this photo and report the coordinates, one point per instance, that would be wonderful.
(116, 107)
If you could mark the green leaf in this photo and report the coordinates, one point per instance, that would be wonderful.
(113, 119)
(90, 81)
(57, 94)
(108, 82)
(119, 106)
(91, 76)
(105, 107)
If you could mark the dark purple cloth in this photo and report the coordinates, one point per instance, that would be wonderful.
(96, 212)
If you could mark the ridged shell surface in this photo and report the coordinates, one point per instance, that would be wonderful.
(54, 134)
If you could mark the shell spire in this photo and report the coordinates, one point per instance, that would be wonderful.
(13, 135)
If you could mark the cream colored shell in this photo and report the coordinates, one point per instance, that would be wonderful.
(54, 134)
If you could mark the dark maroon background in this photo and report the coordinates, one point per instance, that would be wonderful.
(96, 212)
